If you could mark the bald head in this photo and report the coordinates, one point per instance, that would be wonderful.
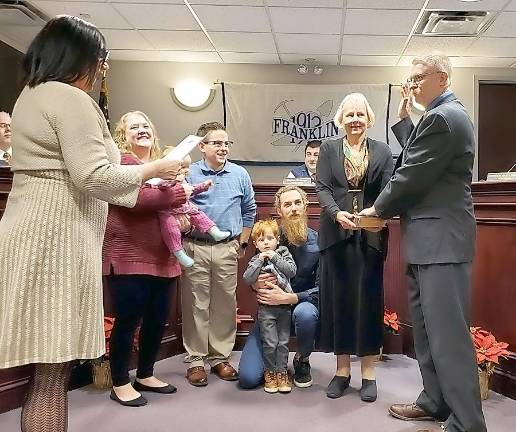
(5, 130)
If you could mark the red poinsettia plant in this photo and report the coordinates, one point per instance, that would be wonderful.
(489, 351)
(391, 322)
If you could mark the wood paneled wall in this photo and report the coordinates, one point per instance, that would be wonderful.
(493, 293)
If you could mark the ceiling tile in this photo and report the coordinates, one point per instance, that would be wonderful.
(125, 39)
(236, 57)
(233, 18)
(244, 42)
(299, 43)
(178, 40)
(147, 1)
(134, 55)
(457, 5)
(382, 4)
(497, 62)
(306, 3)
(228, 2)
(306, 20)
(103, 15)
(158, 16)
(511, 6)
(380, 22)
(504, 25)
(372, 45)
(190, 56)
(301, 58)
(451, 46)
(493, 47)
(364, 60)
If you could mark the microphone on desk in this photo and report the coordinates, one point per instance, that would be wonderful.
(511, 168)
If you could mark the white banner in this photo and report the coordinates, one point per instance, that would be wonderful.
(273, 122)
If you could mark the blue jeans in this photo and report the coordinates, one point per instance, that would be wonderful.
(251, 367)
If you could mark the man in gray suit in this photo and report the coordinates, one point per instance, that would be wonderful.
(431, 191)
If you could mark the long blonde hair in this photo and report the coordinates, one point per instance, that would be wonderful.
(124, 146)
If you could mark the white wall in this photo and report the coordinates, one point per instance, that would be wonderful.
(146, 86)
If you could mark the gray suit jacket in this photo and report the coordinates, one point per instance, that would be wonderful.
(431, 190)
(332, 189)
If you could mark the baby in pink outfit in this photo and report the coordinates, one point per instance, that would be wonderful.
(170, 228)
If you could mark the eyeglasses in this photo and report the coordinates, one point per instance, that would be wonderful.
(105, 57)
(416, 79)
(220, 144)
(5, 125)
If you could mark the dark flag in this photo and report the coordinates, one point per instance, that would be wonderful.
(104, 100)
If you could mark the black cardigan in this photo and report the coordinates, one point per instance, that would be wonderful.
(332, 189)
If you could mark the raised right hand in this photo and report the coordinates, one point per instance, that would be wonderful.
(345, 220)
(406, 101)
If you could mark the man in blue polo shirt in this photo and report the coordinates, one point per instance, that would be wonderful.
(290, 203)
(209, 286)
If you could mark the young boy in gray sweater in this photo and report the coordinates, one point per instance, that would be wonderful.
(274, 321)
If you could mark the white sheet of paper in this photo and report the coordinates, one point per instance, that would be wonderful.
(184, 147)
(179, 152)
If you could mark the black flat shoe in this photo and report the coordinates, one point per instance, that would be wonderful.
(368, 392)
(337, 386)
(168, 389)
(138, 402)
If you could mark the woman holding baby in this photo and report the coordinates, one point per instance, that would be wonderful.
(140, 270)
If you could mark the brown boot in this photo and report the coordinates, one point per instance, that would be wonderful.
(283, 380)
(271, 384)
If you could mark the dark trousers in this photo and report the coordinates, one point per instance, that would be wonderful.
(274, 322)
(439, 296)
(137, 298)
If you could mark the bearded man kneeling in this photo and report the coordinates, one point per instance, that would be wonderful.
(291, 203)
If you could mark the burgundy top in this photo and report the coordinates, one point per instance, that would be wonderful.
(133, 243)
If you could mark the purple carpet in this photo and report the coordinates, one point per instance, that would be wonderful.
(221, 406)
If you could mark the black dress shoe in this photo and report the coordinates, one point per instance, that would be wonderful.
(138, 402)
(168, 389)
(368, 392)
(337, 386)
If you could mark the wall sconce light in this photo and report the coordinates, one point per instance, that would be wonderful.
(192, 95)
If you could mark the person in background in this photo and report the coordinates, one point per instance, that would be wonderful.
(141, 273)
(309, 168)
(352, 172)
(209, 286)
(291, 204)
(66, 169)
(5, 139)
(431, 191)
(274, 320)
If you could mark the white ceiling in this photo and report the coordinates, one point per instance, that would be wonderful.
(334, 32)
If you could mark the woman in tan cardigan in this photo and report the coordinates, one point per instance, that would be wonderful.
(66, 170)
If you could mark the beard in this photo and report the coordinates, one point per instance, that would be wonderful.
(295, 229)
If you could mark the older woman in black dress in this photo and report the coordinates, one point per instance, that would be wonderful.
(351, 172)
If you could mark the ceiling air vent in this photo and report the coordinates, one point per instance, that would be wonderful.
(20, 13)
(451, 23)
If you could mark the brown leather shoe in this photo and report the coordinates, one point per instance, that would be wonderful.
(197, 376)
(225, 371)
(410, 412)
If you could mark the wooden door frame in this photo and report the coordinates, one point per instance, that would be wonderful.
(484, 79)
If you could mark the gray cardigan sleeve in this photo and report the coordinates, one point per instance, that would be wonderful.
(253, 269)
(284, 262)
